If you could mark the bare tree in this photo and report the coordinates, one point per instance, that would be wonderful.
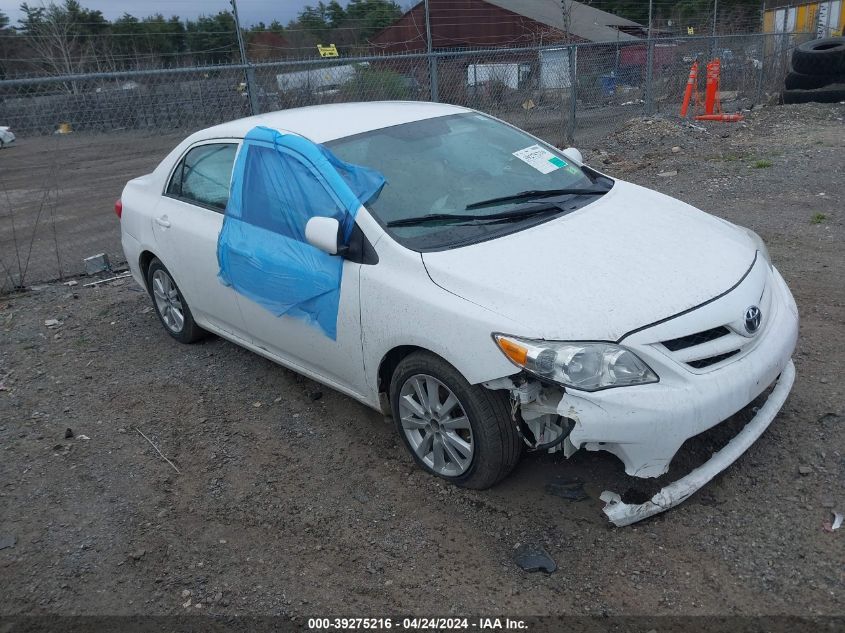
(61, 38)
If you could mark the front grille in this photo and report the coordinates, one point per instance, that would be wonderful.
(706, 362)
(709, 350)
(691, 340)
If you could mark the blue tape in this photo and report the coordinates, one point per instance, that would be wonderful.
(279, 182)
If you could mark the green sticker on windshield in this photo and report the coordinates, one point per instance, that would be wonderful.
(540, 159)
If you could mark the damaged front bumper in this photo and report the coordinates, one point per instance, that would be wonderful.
(645, 425)
(675, 493)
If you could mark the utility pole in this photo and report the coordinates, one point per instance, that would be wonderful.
(432, 62)
(650, 14)
(785, 36)
(649, 73)
(761, 54)
(251, 88)
(715, 14)
(572, 60)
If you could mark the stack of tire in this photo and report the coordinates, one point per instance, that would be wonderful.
(817, 73)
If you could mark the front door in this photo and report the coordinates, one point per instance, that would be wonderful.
(298, 303)
(303, 344)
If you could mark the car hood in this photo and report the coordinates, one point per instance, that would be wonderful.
(632, 257)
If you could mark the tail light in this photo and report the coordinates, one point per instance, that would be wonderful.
(118, 208)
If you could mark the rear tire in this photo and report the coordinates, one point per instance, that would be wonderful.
(437, 412)
(170, 305)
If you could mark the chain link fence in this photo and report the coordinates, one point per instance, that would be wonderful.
(81, 137)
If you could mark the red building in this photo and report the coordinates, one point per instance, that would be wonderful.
(461, 24)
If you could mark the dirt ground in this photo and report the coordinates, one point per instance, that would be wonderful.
(294, 500)
(57, 198)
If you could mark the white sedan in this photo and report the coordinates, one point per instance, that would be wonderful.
(7, 137)
(486, 290)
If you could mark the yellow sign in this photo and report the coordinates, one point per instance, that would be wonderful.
(690, 30)
(327, 51)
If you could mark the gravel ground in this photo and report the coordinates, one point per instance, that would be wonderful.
(294, 500)
(57, 198)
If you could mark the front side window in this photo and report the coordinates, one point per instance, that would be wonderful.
(282, 193)
(281, 181)
(445, 166)
(204, 174)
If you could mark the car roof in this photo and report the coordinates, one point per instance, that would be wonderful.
(328, 122)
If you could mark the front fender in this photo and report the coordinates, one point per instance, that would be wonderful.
(400, 305)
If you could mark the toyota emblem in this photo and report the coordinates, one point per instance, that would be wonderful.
(753, 318)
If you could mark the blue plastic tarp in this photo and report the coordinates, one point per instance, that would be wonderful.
(279, 182)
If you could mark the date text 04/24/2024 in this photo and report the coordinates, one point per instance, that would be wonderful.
(416, 624)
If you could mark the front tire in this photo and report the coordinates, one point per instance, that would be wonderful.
(457, 431)
(170, 305)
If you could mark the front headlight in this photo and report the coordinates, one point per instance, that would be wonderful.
(760, 245)
(587, 366)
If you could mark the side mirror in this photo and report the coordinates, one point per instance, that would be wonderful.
(574, 155)
(324, 233)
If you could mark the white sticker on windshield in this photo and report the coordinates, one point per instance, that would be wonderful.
(540, 159)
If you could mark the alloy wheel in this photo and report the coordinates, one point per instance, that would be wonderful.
(169, 305)
(436, 425)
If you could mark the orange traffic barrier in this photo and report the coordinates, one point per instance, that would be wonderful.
(692, 86)
(712, 88)
(724, 118)
(712, 104)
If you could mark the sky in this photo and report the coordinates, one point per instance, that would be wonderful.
(250, 11)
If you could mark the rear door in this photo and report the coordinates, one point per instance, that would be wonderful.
(187, 223)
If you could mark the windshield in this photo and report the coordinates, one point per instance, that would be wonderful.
(439, 167)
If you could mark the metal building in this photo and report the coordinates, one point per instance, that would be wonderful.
(824, 19)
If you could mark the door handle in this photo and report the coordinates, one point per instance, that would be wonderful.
(163, 222)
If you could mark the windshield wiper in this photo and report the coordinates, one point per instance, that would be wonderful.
(451, 218)
(534, 194)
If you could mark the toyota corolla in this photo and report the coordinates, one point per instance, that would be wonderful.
(488, 291)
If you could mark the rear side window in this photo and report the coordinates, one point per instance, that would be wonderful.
(203, 176)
